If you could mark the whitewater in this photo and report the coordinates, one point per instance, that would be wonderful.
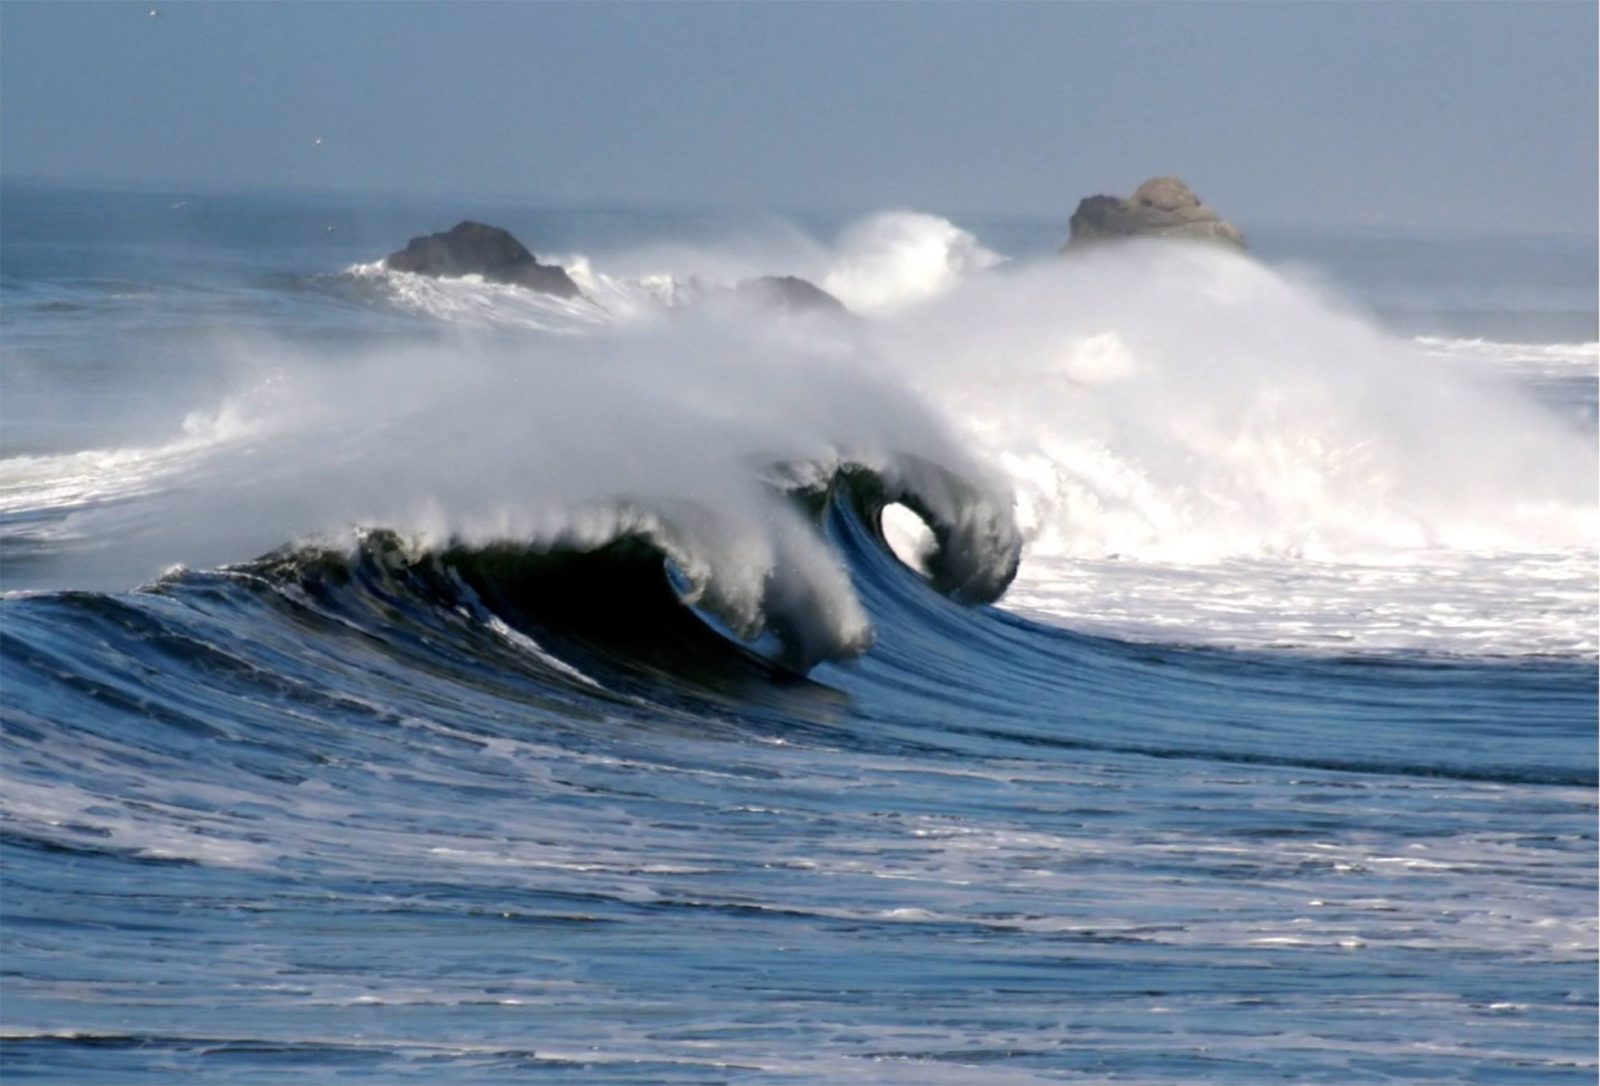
(1155, 663)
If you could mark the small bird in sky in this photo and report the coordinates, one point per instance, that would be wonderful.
(317, 142)
(154, 14)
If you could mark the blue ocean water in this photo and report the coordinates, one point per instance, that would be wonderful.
(408, 681)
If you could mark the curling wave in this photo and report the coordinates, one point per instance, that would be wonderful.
(622, 575)
(1183, 440)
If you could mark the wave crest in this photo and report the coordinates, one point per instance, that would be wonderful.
(620, 573)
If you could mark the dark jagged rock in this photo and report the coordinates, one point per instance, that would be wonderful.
(791, 294)
(472, 248)
(1163, 207)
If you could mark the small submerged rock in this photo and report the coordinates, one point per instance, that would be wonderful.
(1163, 207)
(791, 294)
(474, 248)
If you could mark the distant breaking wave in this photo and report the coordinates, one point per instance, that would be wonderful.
(1540, 359)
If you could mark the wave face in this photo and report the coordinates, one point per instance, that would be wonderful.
(662, 687)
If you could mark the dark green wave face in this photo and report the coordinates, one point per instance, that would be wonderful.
(1011, 681)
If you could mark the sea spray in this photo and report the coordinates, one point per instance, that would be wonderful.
(896, 259)
(673, 427)
(1165, 416)
(1187, 403)
(1206, 450)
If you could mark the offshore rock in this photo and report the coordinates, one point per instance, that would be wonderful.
(1163, 207)
(791, 294)
(473, 248)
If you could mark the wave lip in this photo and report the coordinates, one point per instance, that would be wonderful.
(624, 577)
(975, 547)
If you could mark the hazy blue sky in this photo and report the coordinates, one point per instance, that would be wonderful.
(1437, 114)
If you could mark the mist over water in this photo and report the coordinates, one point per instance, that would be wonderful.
(1142, 408)
(1206, 449)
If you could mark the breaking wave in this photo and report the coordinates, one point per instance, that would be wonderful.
(1182, 418)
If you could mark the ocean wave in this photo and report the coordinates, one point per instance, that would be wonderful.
(577, 629)
(1179, 414)
(468, 740)
(471, 299)
(625, 573)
